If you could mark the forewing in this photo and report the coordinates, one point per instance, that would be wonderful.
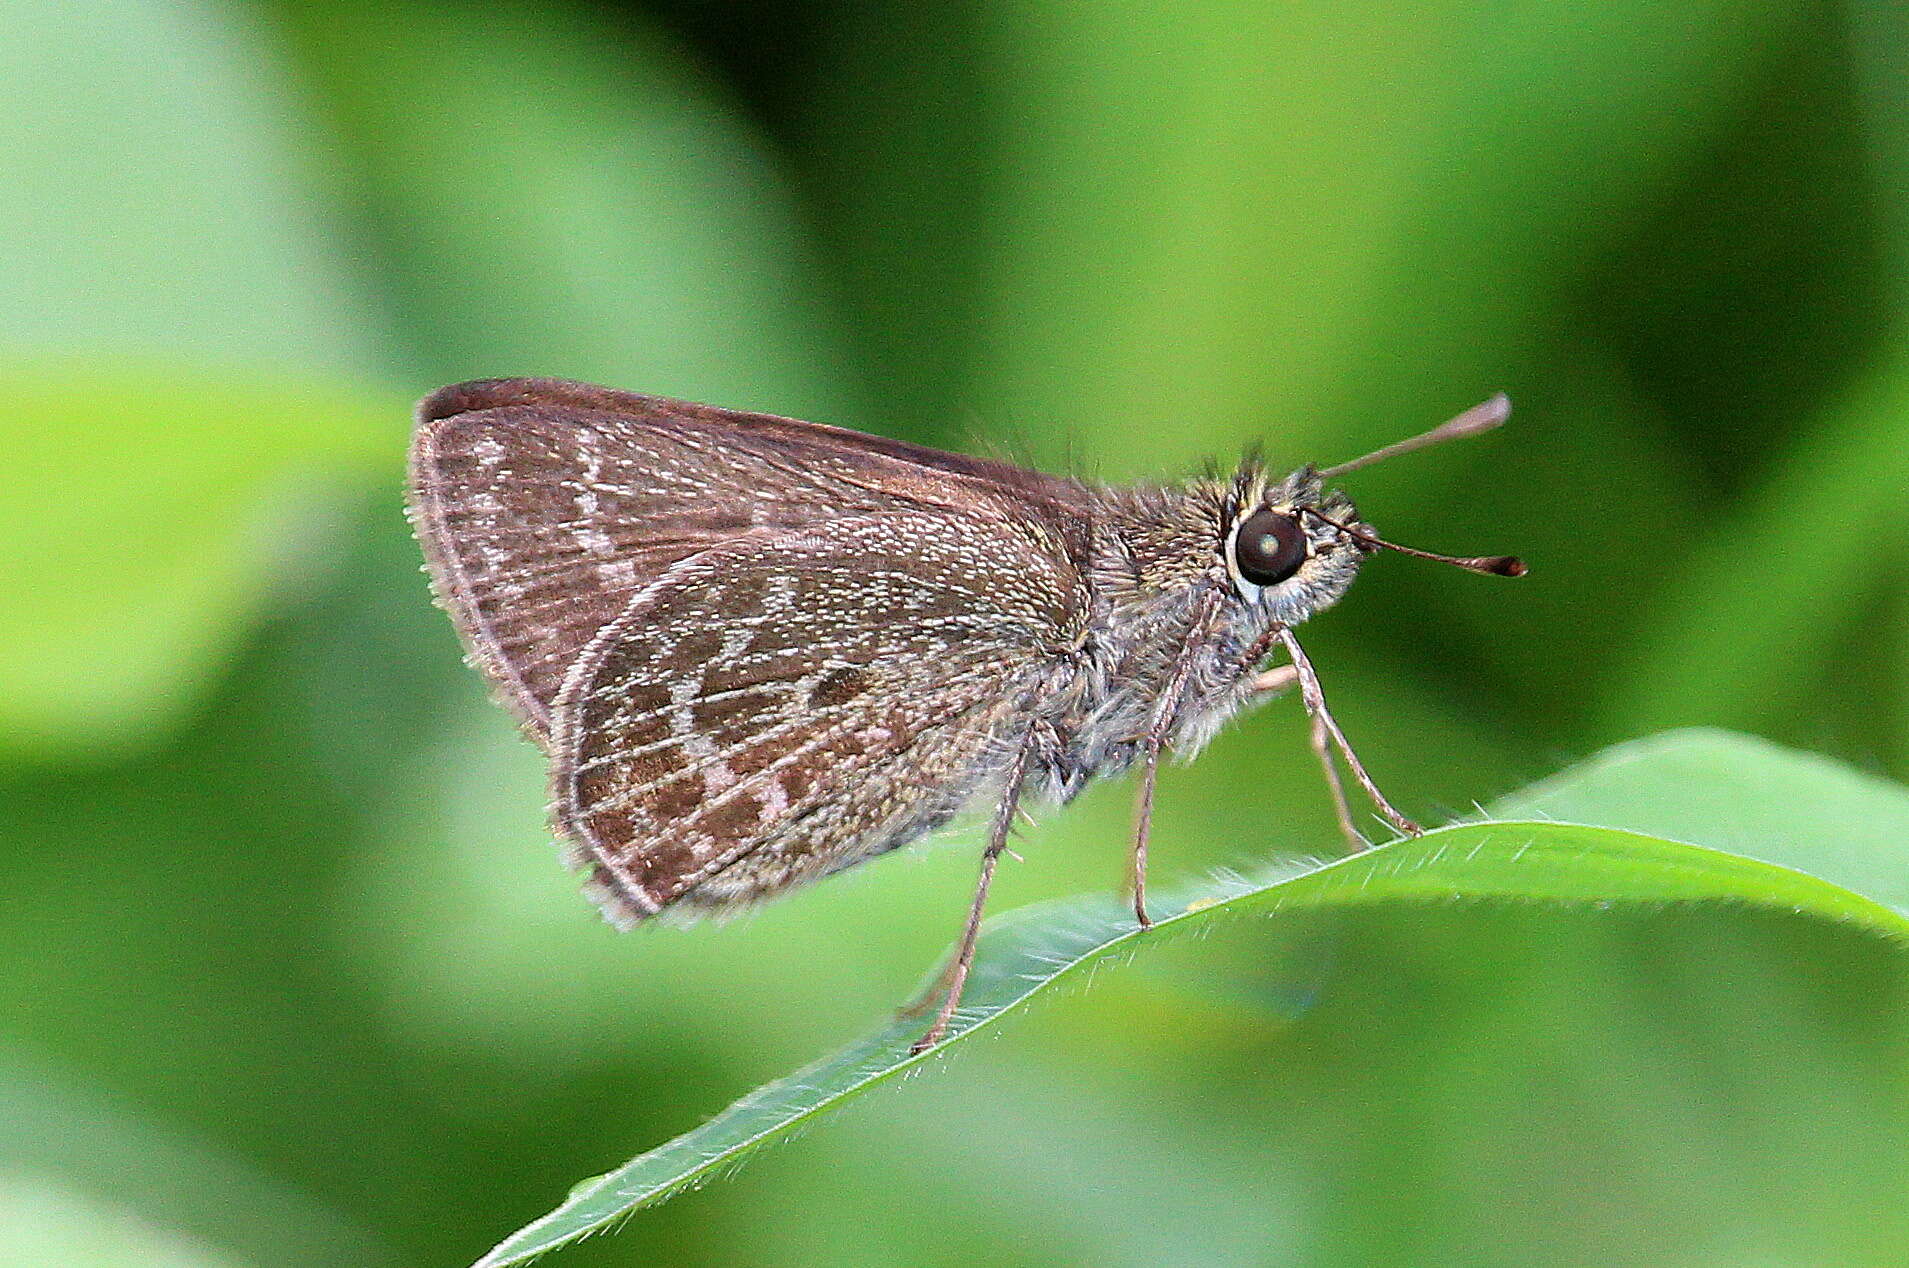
(545, 507)
(777, 710)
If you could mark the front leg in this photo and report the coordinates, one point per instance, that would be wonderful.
(1165, 710)
(1315, 702)
(1274, 680)
(1279, 678)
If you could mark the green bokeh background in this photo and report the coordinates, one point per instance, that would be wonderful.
(291, 973)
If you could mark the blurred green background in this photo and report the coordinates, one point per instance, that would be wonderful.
(291, 973)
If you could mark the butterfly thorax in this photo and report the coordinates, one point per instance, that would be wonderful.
(1174, 641)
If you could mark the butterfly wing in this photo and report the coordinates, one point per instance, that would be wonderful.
(544, 507)
(783, 707)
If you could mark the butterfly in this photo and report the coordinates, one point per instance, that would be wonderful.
(758, 651)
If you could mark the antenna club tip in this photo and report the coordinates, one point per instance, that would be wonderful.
(1505, 566)
(1487, 414)
(1481, 417)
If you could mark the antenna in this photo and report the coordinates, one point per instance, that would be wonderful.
(1479, 418)
(1490, 565)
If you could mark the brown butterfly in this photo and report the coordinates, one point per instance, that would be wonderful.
(758, 651)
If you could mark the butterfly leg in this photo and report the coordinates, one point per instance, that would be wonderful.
(1315, 702)
(1280, 678)
(1155, 740)
(1143, 827)
(936, 992)
(955, 977)
(1322, 749)
(1276, 679)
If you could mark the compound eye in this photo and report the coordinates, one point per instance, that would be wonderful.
(1269, 547)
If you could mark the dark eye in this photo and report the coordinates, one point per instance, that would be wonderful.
(1269, 547)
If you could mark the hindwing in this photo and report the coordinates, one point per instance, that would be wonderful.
(792, 703)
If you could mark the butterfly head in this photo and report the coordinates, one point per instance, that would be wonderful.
(1292, 546)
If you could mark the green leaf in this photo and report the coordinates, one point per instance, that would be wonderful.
(1733, 800)
(152, 514)
(163, 215)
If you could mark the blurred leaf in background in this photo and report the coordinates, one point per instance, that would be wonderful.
(283, 921)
